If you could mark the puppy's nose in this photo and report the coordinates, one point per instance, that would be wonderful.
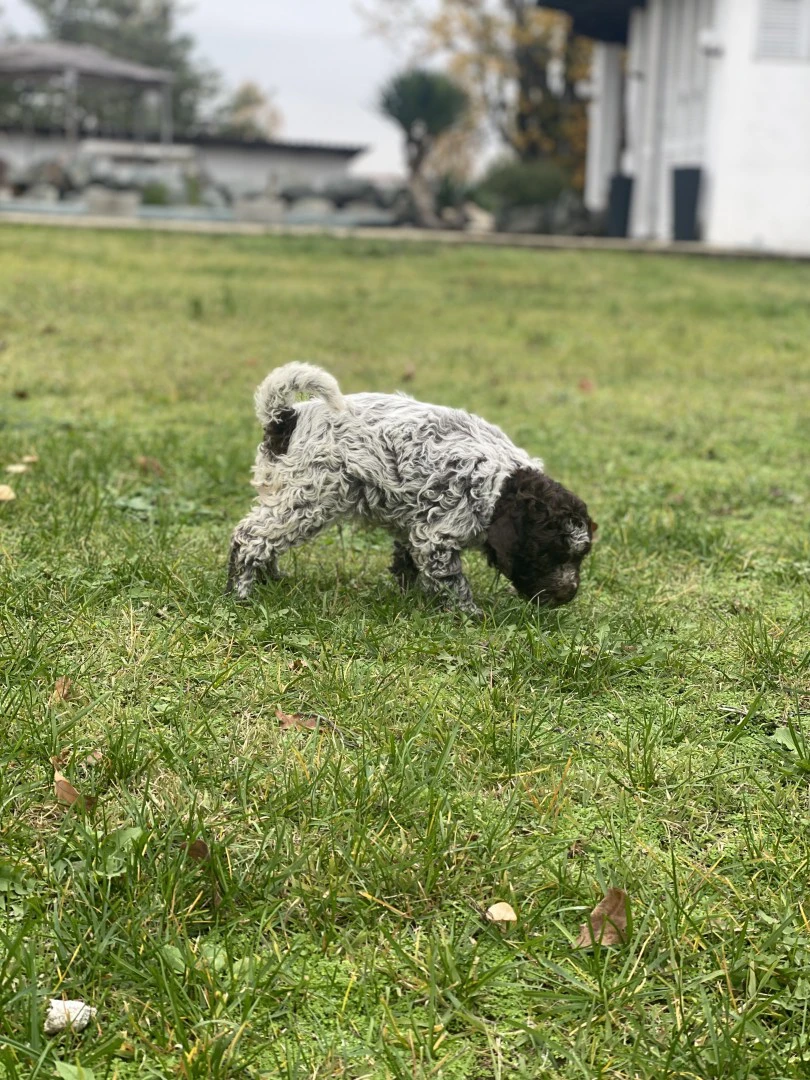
(564, 594)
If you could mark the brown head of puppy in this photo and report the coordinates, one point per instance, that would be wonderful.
(539, 535)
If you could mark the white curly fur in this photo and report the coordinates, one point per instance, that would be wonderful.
(431, 475)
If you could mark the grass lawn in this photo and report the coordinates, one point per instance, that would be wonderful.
(335, 928)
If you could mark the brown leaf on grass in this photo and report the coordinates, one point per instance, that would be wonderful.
(197, 850)
(586, 386)
(149, 465)
(95, 757)
(61, 759)
(62, 689)
(299, 721)
(67, 795)
(296, 665)
(607, 923)
(576, 849)
(29, 459)
(17, 468)
(6, 493)
(20, 394)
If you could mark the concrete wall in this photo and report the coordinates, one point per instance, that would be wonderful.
(252, 171)
(759, 138)
(245, 171)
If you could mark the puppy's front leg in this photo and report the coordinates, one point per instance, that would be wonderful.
(440, 574)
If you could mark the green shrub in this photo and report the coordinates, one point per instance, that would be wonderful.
(155, 194)
(517, 183)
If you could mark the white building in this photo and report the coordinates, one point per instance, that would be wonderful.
(720, 88)
(244, 168)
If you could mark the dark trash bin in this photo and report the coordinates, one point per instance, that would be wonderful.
(619, 202)
(686, 195)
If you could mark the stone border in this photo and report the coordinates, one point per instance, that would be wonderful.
(529, 241)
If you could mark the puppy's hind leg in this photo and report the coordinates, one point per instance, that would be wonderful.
(266, 533)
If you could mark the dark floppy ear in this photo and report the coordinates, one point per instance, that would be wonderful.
(594, 527)
(502, 538)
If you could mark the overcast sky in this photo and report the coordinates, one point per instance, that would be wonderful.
(316, 55)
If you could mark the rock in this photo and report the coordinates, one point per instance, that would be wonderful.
(62, 1015)
(452, 218)
(105, 202)
(44, 193)
(263, 209)
(568, 215)
(314, 206)
(478, 219)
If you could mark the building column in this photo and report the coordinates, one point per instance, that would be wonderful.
(166, 115)
(647, 159)
(604, 124)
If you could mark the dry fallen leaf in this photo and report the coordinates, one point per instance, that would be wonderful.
(67, 795)
(586, 386)
(62, 1015)
(197, 850)
(29, 459)
(576, 849)
(62, 689)
(95, 757)
(296, 665)
(301, 721)
(60, 759)
(6, 493)
(607, 923)
(149, 465)
(501, 913)
(17, 469)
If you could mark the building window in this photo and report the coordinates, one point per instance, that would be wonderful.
(784, 30)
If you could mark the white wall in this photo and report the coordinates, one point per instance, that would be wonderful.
(253, 171)
(244, 171)
(758, 142)
(667, 100)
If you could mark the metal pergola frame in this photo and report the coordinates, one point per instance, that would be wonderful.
(84, 63)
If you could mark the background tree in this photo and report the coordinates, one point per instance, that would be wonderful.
(145, 31)
(249, 113)
(426, 105)
(519, 64)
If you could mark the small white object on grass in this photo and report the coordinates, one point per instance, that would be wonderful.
(501, 913)
(62, 1015)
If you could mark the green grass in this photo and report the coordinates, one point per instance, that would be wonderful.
(535, 757)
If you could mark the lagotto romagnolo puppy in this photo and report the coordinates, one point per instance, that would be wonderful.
(438, 479)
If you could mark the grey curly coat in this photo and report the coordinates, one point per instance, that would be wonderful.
(440, 480)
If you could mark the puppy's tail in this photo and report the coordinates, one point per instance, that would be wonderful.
(281, 386)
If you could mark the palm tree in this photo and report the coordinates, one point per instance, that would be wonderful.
(426, 105)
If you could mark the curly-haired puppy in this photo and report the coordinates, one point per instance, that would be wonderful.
(440, 480)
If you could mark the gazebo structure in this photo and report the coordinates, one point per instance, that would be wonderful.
(76, 64)
(700, 118)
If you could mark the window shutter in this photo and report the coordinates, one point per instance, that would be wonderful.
(781, 30)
